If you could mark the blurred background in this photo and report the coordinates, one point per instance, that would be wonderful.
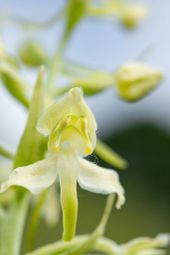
(138, 131)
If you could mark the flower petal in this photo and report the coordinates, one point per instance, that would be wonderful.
(71, 104)
(67, 170)
(35, 177)
(100, 180)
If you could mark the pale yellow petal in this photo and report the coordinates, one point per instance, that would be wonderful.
(35, 177)
(100, 180)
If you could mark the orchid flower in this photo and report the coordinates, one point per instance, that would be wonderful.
(137, 246)
(71, 128)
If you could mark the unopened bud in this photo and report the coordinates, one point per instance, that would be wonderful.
(135, 80)
(33, 54)
(133, 15)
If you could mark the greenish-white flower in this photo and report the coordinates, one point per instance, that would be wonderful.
(71, 128)
(135, 80)
(138, 246)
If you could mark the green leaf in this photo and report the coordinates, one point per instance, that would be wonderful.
(14, 83)
(32, 145)
(109, 155)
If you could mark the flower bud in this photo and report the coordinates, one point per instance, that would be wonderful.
(33, 54)
(132, 15)
(136, 80)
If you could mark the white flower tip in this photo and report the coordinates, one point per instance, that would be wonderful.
(120, 200)
(76, 92)
(164, 239)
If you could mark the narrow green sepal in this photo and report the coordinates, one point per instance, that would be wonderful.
(110, 156)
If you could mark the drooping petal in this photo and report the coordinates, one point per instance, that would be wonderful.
(35, 177)
(100, 180)
(67, 170)
(71, 104)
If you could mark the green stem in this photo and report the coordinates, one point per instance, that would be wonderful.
(84, 243)
(55, 67)
(59, 247)
(12, 225)
(75, 11)
(103, 245)
(32, 231)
